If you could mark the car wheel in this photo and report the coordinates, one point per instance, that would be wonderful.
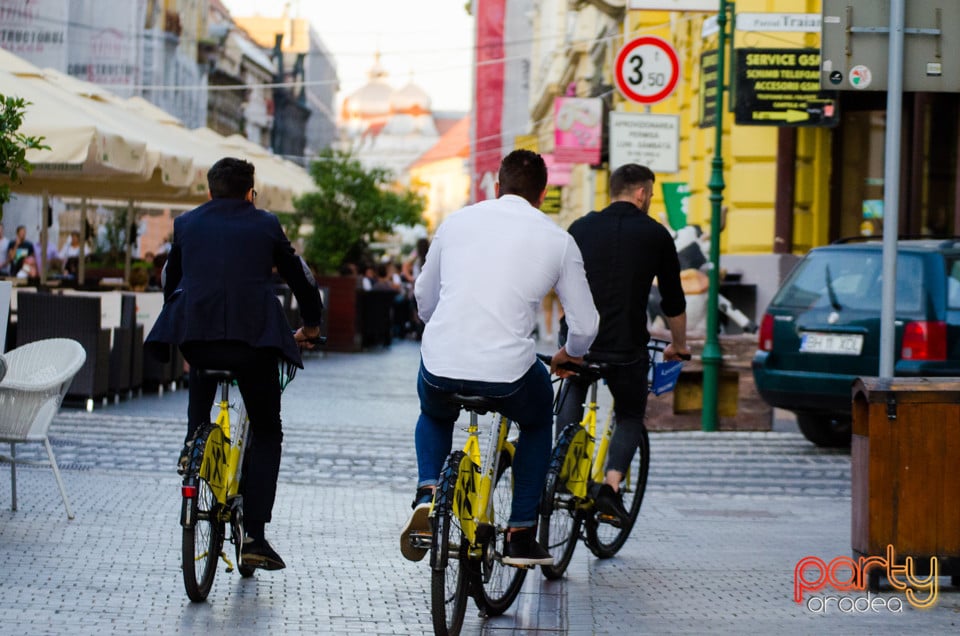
(826, 431)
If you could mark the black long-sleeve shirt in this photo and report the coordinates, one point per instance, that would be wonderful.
(623, 251)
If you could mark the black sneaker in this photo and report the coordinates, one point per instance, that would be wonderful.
(610, 504)
(522, 549)
(257, 553)
(184, 462)
(416, 534)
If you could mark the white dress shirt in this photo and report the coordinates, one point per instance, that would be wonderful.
(487, 270)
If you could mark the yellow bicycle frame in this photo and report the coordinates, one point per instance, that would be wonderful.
(580, 462)
(472, 503)
(221, 459)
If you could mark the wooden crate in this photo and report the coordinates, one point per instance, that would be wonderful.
(905, 469)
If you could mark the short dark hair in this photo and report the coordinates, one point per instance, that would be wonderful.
(628, 177)
(230, 178)
(523, 173)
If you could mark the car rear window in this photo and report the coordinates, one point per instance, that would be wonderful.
(851, 278)
(953, 285)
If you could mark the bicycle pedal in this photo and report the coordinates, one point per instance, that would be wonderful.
(609, 520)
(421, 540)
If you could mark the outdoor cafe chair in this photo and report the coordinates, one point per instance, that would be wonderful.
(37, 377)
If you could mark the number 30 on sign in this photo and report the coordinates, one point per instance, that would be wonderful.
(647, 70)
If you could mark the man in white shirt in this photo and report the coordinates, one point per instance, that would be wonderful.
(488, 268)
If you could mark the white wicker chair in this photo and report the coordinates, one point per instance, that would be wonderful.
(38, 375)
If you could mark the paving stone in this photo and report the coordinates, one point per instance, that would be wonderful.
(725, 520)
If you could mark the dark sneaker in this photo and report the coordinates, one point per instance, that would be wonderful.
(184, 462)
(610, 504)
(416, 534)
(257, 553)
(522, 549)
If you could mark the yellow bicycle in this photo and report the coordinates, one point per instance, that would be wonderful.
(578, 463)
(211, 488)
(469, 517)
(211, 496)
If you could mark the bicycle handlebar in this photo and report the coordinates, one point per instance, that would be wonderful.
(594, 370)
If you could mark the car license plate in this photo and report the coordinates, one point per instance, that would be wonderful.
(847, 344)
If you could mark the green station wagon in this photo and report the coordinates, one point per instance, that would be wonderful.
(822, 328)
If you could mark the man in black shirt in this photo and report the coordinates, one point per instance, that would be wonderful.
(623, 251)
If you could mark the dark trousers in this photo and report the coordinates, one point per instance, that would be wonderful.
(525, 401)
(258, 378)
(628, 384)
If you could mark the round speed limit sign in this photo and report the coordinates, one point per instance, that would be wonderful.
(647, 70)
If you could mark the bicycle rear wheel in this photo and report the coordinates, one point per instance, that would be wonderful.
(500, 583)
(202, 542)
(448, 585)
(560, 518)
(604, 539)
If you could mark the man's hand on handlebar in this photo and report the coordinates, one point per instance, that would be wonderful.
(308, 337)
(558, 359)
(671, 353)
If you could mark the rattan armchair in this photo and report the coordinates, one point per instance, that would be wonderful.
(37, 377)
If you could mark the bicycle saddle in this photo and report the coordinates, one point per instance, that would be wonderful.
(220, 375)
(476, 403)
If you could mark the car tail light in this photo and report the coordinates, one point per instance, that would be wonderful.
(924, 340)
(766, 333)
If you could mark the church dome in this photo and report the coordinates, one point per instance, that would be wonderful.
(373, 98)
(411, 100)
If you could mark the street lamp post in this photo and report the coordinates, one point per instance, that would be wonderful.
(712, 355)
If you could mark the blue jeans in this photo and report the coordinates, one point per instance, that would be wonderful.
(527, 401)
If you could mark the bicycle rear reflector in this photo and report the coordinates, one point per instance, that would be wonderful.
(189, 492)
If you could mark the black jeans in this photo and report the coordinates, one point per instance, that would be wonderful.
(628, 384)
(258, 378)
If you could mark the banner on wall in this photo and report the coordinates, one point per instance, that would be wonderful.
(35, 30)
(488, 97)
(577, 129)
(105, 45)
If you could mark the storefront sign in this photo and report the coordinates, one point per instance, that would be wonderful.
(675, 5)
(709, 89)
(781, 87)
(676, 198)
(784, 22)
(577, 126)
(649, 140)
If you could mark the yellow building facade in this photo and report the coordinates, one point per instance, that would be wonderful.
(788, 188)
(749, 152)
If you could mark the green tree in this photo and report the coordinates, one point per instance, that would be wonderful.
(350, 206)
(13, 145)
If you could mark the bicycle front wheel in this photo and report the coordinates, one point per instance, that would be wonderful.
(604, 539)
(448, 585)
(202, 542)
(559, 515)
(500, 583)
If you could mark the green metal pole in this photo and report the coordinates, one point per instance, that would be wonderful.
(712, 355)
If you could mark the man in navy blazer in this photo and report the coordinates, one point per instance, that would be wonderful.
(220, 308)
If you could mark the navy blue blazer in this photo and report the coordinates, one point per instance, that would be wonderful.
(219, 281)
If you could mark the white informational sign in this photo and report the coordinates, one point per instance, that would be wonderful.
(648, 140)
(675, 5)
(786, 22)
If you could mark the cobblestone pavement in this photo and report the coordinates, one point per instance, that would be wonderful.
(726, 519)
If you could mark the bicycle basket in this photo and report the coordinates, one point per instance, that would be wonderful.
(665, 376)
